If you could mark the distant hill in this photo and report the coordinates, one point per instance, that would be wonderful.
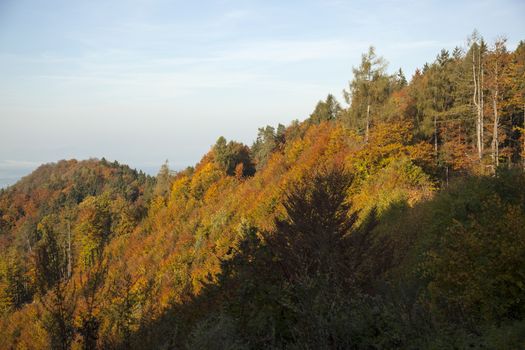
(63, 185)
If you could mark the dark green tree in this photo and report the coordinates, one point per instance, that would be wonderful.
(52, 287)
(311, 239)
(326, 110)
(268, 140)
(15, 287)
(233, 157)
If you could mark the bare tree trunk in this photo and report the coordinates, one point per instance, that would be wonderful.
(481, 104)
(476, 100)
(69, 249)
(498, 50)
(367, 130)
(495, 143)
(523, 135)
(435, 137)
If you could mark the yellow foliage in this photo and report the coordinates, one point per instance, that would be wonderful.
(203, 179)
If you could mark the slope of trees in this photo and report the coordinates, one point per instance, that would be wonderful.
(55, 224)
(394, 222)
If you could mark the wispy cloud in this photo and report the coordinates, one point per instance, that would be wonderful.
(271, 51)
(125, 72)
(284, 51)
(419, 44)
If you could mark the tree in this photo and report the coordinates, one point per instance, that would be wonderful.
(368, 89)
(498, 85)
(326, 110)
(441, 90)
(50, 262)
(162, 187)
(438, 110)
(91, 298)
(420, 105)
(518, 94)
(15, 288)
(477, 53)
(53, 287)
(310, 240)
(229, 155)
(399, 80)
(267, 141)
(93, 228)
(475, 269)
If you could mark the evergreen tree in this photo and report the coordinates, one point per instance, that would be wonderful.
(53, 288)
(267, 141)
(326, 110)
(233, 157)
(368, 89)
(311, 239)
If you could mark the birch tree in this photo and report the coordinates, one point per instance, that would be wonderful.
(476, 54)
(497, 75)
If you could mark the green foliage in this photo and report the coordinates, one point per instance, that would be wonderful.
(50, 261)
(310, 239)
(233, 157)
(216, 332)
(368, 90)
(475, 269)
(268, 141)
(15, 287)
(58, 321)
(326, 110)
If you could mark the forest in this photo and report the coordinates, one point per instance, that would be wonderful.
(394, 219)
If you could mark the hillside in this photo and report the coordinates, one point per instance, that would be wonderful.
(384, 224)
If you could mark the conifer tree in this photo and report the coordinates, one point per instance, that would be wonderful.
(368, 89)
(311, 239)
(326, 110)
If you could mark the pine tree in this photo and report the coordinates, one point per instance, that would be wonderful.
(326, 110)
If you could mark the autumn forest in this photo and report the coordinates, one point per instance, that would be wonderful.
(392, 219)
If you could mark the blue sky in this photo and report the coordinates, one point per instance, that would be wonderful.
(143, 81)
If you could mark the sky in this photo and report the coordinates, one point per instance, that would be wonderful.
(142, 81)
